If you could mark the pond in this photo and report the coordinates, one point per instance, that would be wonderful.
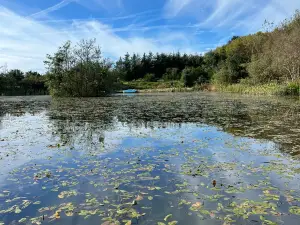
(174, 158)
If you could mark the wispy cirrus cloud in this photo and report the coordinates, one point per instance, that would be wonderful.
(110, 4)
(140, 15)
(173, 7)
(53, 8)
(248, 16)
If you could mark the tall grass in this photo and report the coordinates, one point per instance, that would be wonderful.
(262, 89)
(291, 88)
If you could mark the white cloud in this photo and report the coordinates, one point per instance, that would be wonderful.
(24, 42)
(173, 7)
(247, 16)
(51, 9)
(276, 11)
(223, 10)
(110, 4)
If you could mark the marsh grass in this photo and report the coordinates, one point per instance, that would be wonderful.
(263, 89)
(287, 89)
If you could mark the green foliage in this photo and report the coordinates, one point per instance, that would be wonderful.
(15, 82)
(165, 66)
(270, 57)
(171, 74)
(222, 76)
(191, 76)
(188, 77)
(278, 58)
(292, 88)
(261, 70)
(141, 84)
(271, 88)
(79, 71)
(150, 77)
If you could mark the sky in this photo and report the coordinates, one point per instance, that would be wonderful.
(30, 29)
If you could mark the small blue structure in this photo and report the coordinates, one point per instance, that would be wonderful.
(130, 91)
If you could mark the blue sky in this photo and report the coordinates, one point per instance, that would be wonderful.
(29, 29)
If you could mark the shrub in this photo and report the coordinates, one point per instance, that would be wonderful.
(149, 77)
(171, 74)
(292, 88)
(191, 76)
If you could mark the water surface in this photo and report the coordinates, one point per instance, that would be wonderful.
(182, 158)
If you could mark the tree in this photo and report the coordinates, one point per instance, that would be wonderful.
(79, 71)
(191, 76)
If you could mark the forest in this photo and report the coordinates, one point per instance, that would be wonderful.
(264, 62)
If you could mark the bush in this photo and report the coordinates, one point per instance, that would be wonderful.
(149, 77)
(171, 74)
(187, 77)
(191, 76)
(292, 88)
(222, 76)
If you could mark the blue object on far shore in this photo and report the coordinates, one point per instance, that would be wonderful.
(130, 91)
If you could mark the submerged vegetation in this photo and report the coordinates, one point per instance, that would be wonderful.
(261, 63)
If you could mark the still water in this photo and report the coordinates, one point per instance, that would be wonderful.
(182, 158)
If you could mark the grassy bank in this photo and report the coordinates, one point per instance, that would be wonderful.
(145, 85)
(167, 90)
(292, 89)
(289, 89)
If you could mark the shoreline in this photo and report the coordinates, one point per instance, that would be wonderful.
(271, 89)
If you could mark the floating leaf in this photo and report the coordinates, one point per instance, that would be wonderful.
(139, 198)
(173, 223)
(150, 198)
(295, 210)
(196, 206)
(57, 215)
(18, 210)
(167, 217)
(66, 194)
(69, 213)
(22, 220)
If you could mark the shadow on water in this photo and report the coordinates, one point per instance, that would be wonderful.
(150, 159)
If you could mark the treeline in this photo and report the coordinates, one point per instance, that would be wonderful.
(174, 66)
(15, 82)
(271, 57)
(261, 58)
